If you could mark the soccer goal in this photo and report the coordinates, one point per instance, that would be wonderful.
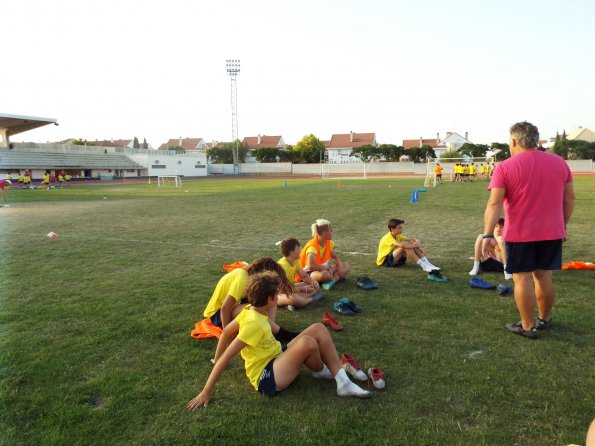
(169, 181)
(448, 168)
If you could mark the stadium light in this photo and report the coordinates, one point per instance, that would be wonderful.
(233, 69)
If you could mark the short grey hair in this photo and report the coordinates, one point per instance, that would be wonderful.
(526, 134)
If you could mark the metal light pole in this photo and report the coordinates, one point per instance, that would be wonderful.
(233, 69)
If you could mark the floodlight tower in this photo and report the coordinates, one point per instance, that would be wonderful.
(233, 69)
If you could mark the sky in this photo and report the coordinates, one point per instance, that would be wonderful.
(401, 69)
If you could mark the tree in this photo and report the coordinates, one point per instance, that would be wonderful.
(135, 144)
(449, 154)
(574, 149)
(79, 142)
(223, 154)
(145, 145)
(366, 153)
(420, 154)
(309, 149)
(391, 152)
(473, 150)
(271, 155)
(502, 151)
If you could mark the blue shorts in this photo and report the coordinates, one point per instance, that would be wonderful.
(216, 318)
(266, 382)
(526, 257)
(389, 259)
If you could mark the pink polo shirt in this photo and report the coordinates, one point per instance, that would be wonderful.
(534, 183)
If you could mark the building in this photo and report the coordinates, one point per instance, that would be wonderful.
(190, 145)
(452, 141)
(339, 148)
(262, 142)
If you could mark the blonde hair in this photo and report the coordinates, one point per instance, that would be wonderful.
(320, 226)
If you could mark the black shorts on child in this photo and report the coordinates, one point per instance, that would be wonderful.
(491, 266)
(389, 261)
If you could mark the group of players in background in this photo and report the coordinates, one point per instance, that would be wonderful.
(467, 172)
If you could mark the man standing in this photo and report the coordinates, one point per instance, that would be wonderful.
(537, 192)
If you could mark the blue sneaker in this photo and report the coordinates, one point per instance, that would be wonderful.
(343, 309)
(351, 305)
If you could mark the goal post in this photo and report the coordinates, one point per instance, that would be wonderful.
(169, 181)
(430, 179)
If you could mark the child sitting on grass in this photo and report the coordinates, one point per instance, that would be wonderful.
(394, 248)
(316, 255)
(305, 289)
(489, 264)
(229, 297)
(268, 367)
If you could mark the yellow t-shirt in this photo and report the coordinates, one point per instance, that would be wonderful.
(290, 270)
(387, 245)
(472, 170)
(233, 284)
(261, 346)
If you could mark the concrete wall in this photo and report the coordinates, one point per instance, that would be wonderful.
(158, 163)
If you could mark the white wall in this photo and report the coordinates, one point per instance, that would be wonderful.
(182, 165)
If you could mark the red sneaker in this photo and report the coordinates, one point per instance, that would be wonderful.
(351, 366)
(331, 322)
(376, 379)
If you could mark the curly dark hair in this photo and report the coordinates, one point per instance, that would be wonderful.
(268, 264)
(261, 287)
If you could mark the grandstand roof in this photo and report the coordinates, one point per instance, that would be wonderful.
(15, 124)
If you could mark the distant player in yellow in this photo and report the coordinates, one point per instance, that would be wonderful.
(305, 289)
(46, 179)
(27, 180)
(472, 171)
(482, 169)
(67, 179)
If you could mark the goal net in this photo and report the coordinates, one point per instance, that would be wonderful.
(169, 181)
(448, 168)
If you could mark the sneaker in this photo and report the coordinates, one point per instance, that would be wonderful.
(320, 295)
(343, 309)
(351, 305)
(376, 379)
(351, 366)
(543, 324)
(331, 322)
(328, 285)
(518, 329)
(436, 276)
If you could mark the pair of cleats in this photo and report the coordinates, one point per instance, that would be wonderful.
(347, 307)
(531, 333)
(374, 377)
(436, 276)
(366, 283)
(331, 322)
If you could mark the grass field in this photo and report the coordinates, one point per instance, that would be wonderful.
(94, 324)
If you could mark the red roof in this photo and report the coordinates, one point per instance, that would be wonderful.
(345, 140)
(186, 143)
(410, 143)
(265, 141)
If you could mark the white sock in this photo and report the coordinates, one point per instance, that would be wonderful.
(475, 269)
(347, 388)
(507, 276)
(323, 373)
(424, 266)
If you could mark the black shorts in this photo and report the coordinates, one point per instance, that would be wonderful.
(491, 266)
(526, 257)
(216, 318)
(389, 261)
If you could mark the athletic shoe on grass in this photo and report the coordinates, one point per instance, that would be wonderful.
(351, 366)
(543, 324)
(328, 285)
(351, 305)
(376, 379)
(518, 329)
(331, 322)
(343, 309)
(436, 276)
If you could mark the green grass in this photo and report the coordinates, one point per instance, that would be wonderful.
(94, 325)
